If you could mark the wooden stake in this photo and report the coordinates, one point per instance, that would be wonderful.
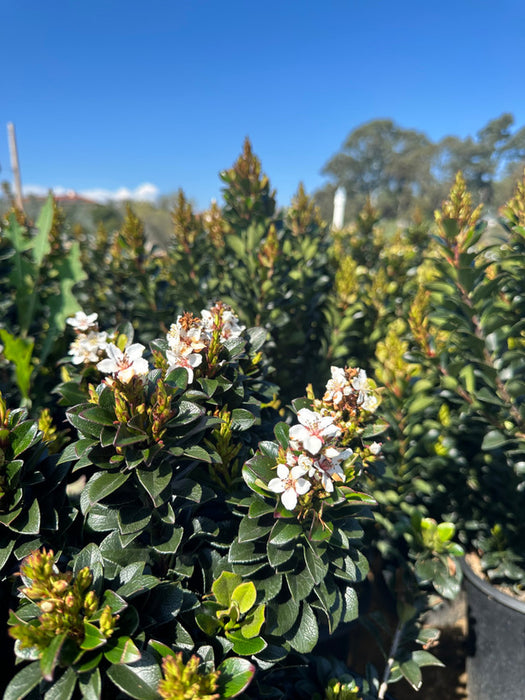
(14, 165)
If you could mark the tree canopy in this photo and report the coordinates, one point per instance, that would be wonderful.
(400, 168)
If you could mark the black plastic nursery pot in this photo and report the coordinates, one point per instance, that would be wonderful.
(496, 641)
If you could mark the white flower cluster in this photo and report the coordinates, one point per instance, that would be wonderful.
(89, 343)
(187, 338)
(339, 388)
(313, 458)
(190, 335)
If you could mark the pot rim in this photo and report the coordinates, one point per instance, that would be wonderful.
(491, 591)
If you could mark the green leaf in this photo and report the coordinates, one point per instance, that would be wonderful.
(123, 651)
(281, 432)
(19, 351)
(493, 439)
(235, 676)
(64, 687)
(24, 682)
(50, 656)
(252, 626)
(246, 647)
(29, 523)
(412, 673)
(307, 634)
(300, 584)
(170, 545)
(90, 685)
(22, 436)
(316, 566)
(100, 485)
(156, 481)
(251, 529)
(139, 680)
(41, 242)
(224, 587)
(242, 419)
(284, 531)
(93, 637)
(244, 595)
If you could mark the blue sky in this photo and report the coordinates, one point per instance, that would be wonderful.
(109, 95)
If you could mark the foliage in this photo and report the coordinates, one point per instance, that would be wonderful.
(402, 169)
(457, 403)
(36, 281)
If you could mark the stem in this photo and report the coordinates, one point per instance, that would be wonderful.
(392, 653)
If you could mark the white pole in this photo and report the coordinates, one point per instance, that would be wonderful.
(14, 164)
(339, 208)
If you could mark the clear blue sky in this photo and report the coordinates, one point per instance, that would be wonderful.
(108, 94)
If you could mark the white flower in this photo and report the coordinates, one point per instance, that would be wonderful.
(82, 322)
(375, 448)
(124, 365)
(360, 383)
(337, 387)
(290, 484)
(193, 337)
(230, 323)
(313, 430)
(365, 399)
(329, 466)
(189, 361)
(87, 347)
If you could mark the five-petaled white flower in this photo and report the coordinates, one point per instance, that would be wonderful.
(124, 365)
(329, 466)
(82, 322)
(87, 347)
(313, 430)
(337, 387)
(290, 484)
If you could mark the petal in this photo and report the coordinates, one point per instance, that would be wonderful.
(302, 486)
(276, 485)
(298, 432)
(107, 366)
(289, 499)
(313, 444)
(298, 471)
(114, 353)
(134, 352)
(282, 471)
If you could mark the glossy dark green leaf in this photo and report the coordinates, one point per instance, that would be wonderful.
(307, 634)
(251, 529)
(138, 680)
(169, 545)
(246, 647)
(51, 655)
(242, 419)
(281, 432)
(64, 687)
(93, 637)
(300, 583)
(156, 481)
(90, 685)
(101, 485)
(412, 673)
(22, 436)
(122, 651)
(493, 440)
(285, 531)
(235, 676)
(24, 682)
